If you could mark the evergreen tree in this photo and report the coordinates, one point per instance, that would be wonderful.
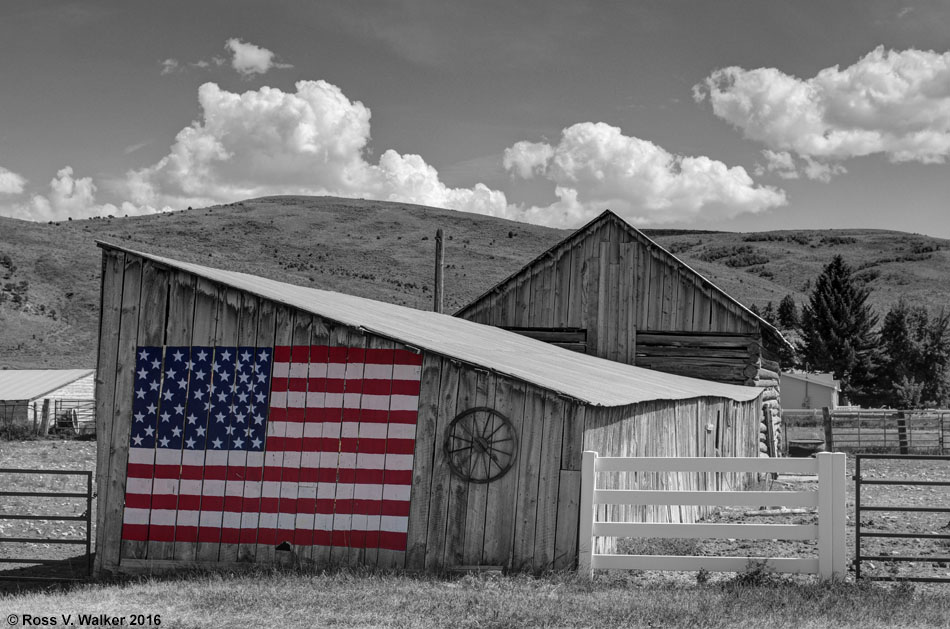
(768, 313)
(914, 369)
(788, 313)
(838, 330)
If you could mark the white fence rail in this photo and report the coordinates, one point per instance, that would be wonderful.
(829, 499)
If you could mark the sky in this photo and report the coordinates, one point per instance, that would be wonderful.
(734, 115)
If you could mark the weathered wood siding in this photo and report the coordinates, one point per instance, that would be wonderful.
(688, 428)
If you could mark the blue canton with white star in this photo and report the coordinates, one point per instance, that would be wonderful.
(199, 397)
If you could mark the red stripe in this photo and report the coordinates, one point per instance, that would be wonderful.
(186, 533)
(300, 354)
(135, 532)
(164, 533)
(282, 354)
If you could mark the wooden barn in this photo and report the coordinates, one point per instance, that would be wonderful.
(608, 290)
(241, 419)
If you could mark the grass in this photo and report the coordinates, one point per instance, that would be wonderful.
(363, 599)
(49, 273)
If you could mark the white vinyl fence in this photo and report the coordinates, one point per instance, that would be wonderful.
(829, 500)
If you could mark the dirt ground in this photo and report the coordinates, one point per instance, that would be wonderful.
(80, 455)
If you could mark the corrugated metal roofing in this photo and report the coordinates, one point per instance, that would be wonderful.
(587, 378)
(29, 384)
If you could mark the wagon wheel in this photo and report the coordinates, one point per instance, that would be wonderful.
(480, 445)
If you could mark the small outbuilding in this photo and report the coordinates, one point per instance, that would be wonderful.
(31, 395)
(241, 419)
(608, 290)
(801, 389)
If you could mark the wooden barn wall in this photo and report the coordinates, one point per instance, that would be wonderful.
(526, 520)
(699, 427)
(615, 286)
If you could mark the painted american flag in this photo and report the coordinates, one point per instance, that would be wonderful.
(312, 445)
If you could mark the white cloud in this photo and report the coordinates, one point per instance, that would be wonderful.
(595, 166)
(169, 66)
(68, 196)
(889, 102)
(249, 59)
(10, 182)
(308, 142)
(784, 164)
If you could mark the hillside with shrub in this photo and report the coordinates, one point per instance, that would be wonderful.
(49, 272)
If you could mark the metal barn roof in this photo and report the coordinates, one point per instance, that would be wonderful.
(29, 384)
(587, 378)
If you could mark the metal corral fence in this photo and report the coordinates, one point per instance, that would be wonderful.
(42, 417)
(871, 430)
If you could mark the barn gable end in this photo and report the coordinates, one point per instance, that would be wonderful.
(610, 291)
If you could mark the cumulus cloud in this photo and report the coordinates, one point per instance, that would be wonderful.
(10, 182)
(68, 196)
(311, 142)
(893, 103)
(169, 66)
(249, 59)
(595, 166)
(786, 166)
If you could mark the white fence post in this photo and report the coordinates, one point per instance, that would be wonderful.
(839, 481)
(586, 525)
(831, 514)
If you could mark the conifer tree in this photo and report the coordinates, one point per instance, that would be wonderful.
(914, 369)
(788, 317)
(838, 330)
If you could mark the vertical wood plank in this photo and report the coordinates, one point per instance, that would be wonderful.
(441, 475)
(456, 524)
(478, 492)
(121, 413)
(568, 511)
(600, 337)
(500, 512)
(379, 352)
(549, 477)
(423, 460)
(526, 506)
(298, 494)
(204, 324)
(613, 321)
(181, 313)
(110, 315)
(562, 290)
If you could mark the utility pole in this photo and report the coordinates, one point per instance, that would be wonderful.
(439, 292)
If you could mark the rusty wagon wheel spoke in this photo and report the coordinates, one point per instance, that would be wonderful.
(480, 445)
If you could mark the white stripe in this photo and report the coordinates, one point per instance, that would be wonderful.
(234, 488)
(285, 521)
(304, 521)
(351, 400)
(270, 489)
(394, 523)
(281, 370)
(402, 431)
(294, 429)
(163, 517)
(307, 490)
(190, 488)
(323, 521)
(212, 488)
(310, 460)
(358, 523)
(138, 486)
(165, 487)
(370, 430)
(298, 370)
(237, 458)
(231, 520)
(333, 400)
(370, 461)
(378, 372)
(288, 490)
(268, 521)
(397, 492)
(255, 459)
(350, 429)
(313, 429)
(331, 430)
(296, 399)
(335, 371)
(342, 521)
(404, 403)
(368, 492)
(318, 370)
(326, 491)
(252, 489)
(278, 399)
(315, 399)
(398, 462)
(347, 460)
(210, 518)
(375, 402)
(216, 457)
(407, 372)
(188, 518)
(135, 516)
(142, 456)
(193, 458)
(273, 459)
(249, 520)
(292, 459)
(354, 371)
(167, 457)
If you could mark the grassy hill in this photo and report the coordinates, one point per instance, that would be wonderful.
(49, 273)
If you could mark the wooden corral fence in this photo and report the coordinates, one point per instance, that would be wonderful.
(873, 430)
(829, 499)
